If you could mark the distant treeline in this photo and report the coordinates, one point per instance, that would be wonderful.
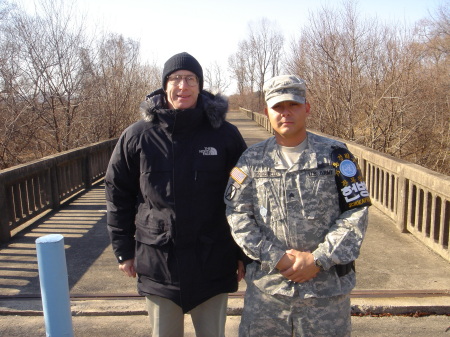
(383, 86)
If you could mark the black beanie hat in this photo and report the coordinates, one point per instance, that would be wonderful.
(182, 61)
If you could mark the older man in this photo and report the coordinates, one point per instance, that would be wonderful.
(166, 215)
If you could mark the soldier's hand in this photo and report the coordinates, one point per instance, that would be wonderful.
(303, 268)
(285, 262)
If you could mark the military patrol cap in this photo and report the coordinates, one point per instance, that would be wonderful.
(284, 88)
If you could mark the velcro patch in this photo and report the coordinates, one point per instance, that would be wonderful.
(349, 180)
(238, 175)
(231, 191)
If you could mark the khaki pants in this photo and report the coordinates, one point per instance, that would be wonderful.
(167, 318)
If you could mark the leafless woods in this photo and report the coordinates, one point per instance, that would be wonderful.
(62, 89)
(382, 85)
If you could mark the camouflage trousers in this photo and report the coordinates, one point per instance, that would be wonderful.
(278, 315)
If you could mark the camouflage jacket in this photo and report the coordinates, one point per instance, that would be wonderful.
(271, 209)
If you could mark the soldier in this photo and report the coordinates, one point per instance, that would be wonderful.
(297, 205)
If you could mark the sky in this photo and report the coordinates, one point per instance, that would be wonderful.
(210, 30)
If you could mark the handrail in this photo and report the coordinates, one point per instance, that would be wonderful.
(415, 198)
(31, 190)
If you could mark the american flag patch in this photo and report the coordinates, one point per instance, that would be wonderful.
(238, 175)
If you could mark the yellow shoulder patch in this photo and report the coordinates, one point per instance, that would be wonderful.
(238, 175)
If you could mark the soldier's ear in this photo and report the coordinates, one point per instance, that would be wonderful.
(266, 111)
(308, 109)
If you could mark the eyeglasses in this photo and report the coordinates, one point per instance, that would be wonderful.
(175, 80)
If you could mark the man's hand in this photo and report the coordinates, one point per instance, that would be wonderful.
(285, 262)
(240, 271)
(302, 269)
(128, 268)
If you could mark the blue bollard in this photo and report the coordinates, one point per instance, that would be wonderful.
(54, 285)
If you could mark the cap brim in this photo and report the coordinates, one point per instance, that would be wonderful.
(286, 97)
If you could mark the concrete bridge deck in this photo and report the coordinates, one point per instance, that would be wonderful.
(396, 275)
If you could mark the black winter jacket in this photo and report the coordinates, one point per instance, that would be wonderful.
(164, 189)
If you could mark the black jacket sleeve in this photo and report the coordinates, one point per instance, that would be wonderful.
(122, 188)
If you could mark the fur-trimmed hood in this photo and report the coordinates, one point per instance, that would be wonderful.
(215, 107)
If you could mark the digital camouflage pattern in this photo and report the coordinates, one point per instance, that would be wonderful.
(271, 209)
(294, 318)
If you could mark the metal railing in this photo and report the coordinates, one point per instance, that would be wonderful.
(415, 198)
(31, 190)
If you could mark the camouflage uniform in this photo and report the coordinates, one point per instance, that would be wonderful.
(271, 209)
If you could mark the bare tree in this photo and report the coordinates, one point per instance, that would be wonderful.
(432, 145)
(9, 113)
(215, 79)
(50, 43)
(242, 66)
(368, 81)
(18, 127)
(266, 45)
(59, 90)
(116, 84)
(236, 65)
(332, 55)
(258, 57)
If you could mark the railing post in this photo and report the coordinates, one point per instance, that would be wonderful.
(402, 204)
(54, 186)
(5, 233)
(87, 172)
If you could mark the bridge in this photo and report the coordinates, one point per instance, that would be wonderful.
(416, 199)
(398, 273)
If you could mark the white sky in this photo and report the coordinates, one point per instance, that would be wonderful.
(210, 30)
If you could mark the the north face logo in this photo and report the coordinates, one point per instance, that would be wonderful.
(209, 151)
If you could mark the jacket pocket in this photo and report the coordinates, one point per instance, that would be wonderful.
(270, 210)
(218, 257)
(318, 194)
(153, 236)
(155, 178)
(153, 261)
